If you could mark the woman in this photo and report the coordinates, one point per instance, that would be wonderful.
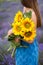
(29, 56)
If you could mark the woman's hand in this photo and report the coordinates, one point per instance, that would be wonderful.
(17, 40)
(30, 41)
(9, 32)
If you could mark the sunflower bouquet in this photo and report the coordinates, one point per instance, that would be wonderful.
(22, 28)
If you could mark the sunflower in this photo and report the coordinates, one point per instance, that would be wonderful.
(13, 24)
(30, 35)
(16, 29)
(18, 16)
(27, 24)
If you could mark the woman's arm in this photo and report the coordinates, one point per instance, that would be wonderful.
(34, 18)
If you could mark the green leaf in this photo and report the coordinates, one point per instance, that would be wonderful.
(9, 48)
(11, 37)
(28, 14)
(15, 44)
(13, 52)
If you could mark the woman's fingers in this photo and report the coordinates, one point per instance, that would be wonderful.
(17, 39)
(29, 41)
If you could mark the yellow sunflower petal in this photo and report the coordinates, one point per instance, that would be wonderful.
(27, 24)
(16, 29)
(18, 16)
(29, 35)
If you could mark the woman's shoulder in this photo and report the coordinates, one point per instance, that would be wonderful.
(33, 12)
(34, 18)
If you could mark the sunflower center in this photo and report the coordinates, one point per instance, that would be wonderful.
(18, 28)
(28, 34)
(27, 24)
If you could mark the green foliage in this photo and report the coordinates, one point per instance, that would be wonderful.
(28, 14)
(9, 0)
(1, 58)
(1, 0)
(11, 37)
